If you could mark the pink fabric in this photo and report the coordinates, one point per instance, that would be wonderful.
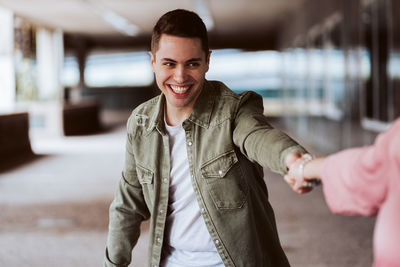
(366, 181)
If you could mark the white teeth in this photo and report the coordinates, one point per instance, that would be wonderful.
(179, 89)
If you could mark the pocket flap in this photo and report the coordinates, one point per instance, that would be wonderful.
(145, 175)
(219, 166)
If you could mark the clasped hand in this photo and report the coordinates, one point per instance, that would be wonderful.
(295, 175)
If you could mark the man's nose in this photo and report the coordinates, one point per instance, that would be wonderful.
(180, 74)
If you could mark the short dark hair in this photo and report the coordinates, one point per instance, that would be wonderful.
(182, 23)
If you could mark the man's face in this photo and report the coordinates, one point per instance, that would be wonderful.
(180, 66)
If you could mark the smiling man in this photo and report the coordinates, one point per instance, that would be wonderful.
(194, 164)
(180, 65)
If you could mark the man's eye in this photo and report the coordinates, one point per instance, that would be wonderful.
(194, 64)
(169, 64)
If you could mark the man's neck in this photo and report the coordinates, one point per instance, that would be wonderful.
(175, 116)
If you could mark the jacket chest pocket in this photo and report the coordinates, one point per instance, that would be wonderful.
(146, 179)
(225, 181)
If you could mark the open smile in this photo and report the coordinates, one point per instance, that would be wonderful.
(180, 90)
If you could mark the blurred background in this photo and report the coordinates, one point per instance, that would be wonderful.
(71, 71)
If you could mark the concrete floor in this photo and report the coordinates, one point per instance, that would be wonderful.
(54, 211)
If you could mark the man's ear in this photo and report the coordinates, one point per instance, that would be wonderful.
(208, 59)
(152, 59)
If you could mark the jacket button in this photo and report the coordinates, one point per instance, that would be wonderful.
(220, 172)
(190, 143)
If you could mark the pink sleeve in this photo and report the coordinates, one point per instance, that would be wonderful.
(355, 180)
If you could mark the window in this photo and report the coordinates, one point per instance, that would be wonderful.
(258, 71)
(70, 72)
(118, 69)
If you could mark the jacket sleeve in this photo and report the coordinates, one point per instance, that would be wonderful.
(127, 211)
(257, 139)
(355, 181)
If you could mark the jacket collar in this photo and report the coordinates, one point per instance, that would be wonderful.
(157, 118)
(202, 110)
(201, 113)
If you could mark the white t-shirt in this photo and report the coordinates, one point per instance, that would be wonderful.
(188, 242)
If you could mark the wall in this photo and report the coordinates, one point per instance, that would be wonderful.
(359, 39)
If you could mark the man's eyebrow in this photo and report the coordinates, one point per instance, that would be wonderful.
(168, 59)
(194, 59)
(190, 60)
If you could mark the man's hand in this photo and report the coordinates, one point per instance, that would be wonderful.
(295, 177)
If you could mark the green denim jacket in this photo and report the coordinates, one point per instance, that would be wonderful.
(228, 143)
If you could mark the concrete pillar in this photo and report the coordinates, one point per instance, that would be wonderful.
(50, 57)
(49, 53)
(7, 74)
(81, 56)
